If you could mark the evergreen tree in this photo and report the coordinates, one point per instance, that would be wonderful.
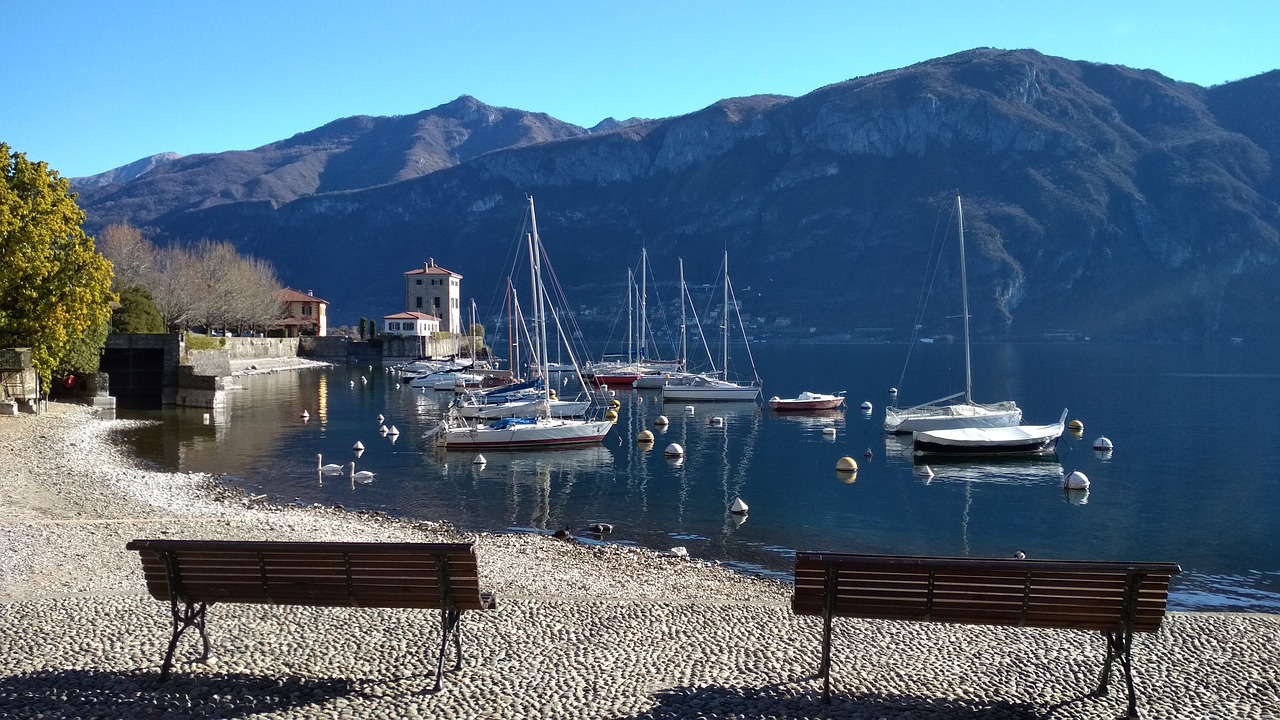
(137, 313)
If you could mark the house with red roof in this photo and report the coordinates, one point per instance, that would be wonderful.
(303, 314)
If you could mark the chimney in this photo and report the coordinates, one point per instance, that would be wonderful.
(311, 294)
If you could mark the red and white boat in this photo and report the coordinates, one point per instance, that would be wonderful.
(808, 401)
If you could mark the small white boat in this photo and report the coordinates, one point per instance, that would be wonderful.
(807, 401)
(706, 387)
(980, 442)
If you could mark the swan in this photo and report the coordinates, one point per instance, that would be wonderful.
(330, 469)
(363, 476)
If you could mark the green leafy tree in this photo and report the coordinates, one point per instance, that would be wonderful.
(55, 289)
(364, 327)
(137, 313)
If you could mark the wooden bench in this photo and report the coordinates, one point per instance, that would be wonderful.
(1114, 598)
(194, 574)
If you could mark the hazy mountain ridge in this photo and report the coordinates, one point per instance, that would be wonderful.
(1078, 178)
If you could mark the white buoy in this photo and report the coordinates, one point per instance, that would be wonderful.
(382, 430)
(305, 415)
(866, 406)
(674, 450)
(893, 391)
(358, 446)
(393, 431)
(688, 409)
(828, 432)
(364, 379)
(380, 418)
(847, 464)
(661, 421)
(738, 507)
(645, 437)
(478, 460)
(717, 421)
(1102, 443)
(1076, 481)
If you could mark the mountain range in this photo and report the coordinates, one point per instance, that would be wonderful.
(1099, 200)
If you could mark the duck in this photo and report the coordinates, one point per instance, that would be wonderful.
(329, 469)
(563, 534)
(600, 528)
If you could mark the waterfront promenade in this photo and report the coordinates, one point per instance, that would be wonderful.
(580, 632)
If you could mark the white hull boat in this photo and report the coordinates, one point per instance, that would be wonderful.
(702, 387)
(543, 431)
(985, 442)
(807, 402)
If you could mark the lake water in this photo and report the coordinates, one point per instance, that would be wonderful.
(1194, 477)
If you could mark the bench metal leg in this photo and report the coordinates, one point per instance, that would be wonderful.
(824, 668)
(1120, 647)
(450, 628)
(190, 615)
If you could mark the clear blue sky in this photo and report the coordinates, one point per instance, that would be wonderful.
(91, 84)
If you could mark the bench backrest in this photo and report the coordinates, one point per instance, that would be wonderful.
(1105, 596)
(346, 574)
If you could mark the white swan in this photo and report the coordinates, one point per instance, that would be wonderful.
(363, 476)
(330, 469)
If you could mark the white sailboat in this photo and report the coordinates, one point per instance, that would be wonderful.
(524, 433)
(1016, 440)
(941, 414)
(709, 386)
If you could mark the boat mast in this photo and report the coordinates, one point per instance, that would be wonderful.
(724, 364)
(631, 334)
(535, 246)
(684, 346)
(644, 260)
(964, 296)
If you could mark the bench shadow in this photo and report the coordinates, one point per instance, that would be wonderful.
(104, 694)
(790, 700)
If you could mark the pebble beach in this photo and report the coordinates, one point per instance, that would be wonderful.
(580, 631)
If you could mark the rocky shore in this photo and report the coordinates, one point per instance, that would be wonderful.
(579, 632)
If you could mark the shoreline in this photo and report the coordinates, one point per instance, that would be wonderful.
(580, 630)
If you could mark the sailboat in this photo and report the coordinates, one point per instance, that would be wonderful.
(941, 414)
(1017, 440)
(524, 433)
(707, 386)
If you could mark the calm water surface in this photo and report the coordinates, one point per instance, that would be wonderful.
(1194, 477)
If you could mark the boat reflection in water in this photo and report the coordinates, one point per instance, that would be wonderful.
(997, 472)
(527, 500)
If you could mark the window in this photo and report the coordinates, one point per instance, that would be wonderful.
(419, 299)
(418, 281)
(306, 310)
(437, 302)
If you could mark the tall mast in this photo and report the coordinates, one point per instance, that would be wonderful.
(964, 296)
(684, 346)
(724, 364)
(539, 299)
(644, 260)
(631, 335)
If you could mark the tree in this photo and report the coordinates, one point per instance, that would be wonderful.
(55, 289)
(137, 313)
(132, 256)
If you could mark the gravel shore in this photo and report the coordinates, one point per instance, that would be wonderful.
(579, 632)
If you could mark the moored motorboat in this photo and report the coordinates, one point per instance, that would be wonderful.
(808, 401)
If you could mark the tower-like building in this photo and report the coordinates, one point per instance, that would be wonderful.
(433, 290)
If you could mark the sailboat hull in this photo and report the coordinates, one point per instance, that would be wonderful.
(546, 433)
(1025, 440)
